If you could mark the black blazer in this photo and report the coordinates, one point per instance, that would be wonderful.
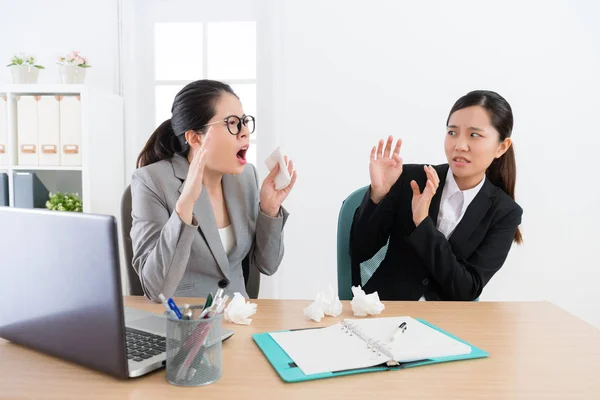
(419, 260)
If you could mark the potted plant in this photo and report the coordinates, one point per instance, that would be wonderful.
(64, 202)
(24, 68)
(72, 67)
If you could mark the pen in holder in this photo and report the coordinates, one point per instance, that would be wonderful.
(194, 350)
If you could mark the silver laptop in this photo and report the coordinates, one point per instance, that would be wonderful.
(61, 288)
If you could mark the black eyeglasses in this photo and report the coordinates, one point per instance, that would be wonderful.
(234, 123)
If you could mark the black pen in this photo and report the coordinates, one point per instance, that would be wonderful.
(400, 330)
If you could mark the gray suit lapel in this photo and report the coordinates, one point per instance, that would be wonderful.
(236, 207)
(208, 226)
(205, 216)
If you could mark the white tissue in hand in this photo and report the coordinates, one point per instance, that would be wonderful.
(283, 178)
(365, 304)
(314, 311)
(238, 311)
(326, 303)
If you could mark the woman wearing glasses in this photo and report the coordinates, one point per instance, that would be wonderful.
(196, 206)
(450, 227)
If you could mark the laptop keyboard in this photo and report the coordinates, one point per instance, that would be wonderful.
(143, 345)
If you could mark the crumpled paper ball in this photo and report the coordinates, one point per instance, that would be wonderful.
(238, 311)
(314, 310)
(365, 304)
(325, 304)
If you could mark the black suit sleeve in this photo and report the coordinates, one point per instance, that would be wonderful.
(464, 279)
(373, 223)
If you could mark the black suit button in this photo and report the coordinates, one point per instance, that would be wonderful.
(425, 282)
(223, 283)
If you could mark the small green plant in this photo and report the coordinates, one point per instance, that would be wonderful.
(64, 202)
(24, 59)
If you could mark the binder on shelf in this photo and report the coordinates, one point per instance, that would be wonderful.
(4, 190)
(29, 191)
(49, 130)
(3, 131)
(70, 131)
(27, 134)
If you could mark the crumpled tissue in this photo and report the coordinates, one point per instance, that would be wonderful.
(325, 304)
(365, 304)
(238, 311)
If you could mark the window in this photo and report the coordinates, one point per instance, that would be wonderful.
(187, 51)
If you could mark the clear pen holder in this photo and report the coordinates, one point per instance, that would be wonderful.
(194, 351)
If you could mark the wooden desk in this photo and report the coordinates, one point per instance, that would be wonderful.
(538, 351)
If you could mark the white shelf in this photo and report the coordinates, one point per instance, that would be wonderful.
(99, 180)
(42, 89)
(44, 168)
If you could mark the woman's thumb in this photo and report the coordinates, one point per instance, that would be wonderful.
(274, 171)
(415, 188)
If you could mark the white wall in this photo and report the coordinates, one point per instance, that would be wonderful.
(50, 29)
(353, 72)
(338, 75)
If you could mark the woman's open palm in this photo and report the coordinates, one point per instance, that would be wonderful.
(385, 167)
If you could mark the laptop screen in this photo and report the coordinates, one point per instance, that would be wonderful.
(61, 286)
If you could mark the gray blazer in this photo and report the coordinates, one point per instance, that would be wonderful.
(177, 259)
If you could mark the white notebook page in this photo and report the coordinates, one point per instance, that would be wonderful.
(327, 350)
(333, 349)
(418, 342)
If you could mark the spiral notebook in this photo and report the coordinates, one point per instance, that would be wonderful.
(365, 345)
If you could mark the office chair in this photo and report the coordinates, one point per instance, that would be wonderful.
(251, 275)
(344, 269)
(135, 287)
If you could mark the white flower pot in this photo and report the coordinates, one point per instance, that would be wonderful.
(71, 74)
(24, 73)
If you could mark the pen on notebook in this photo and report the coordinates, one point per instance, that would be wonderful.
(170, 306)
(399, 331)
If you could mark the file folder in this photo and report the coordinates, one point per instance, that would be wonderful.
(70, 131)
(287, 369)
(3, 131)
(48, 131)
(4, 190)
(27, 126)
(29, 192)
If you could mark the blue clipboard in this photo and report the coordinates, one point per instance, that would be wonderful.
(289, 372)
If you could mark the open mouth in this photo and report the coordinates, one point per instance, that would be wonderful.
(461, 160)
(241, 154)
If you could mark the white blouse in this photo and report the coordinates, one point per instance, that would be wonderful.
(227, 238)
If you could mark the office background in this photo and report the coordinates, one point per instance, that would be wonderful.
(332, 77)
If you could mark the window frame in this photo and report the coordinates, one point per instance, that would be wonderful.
(205, 59)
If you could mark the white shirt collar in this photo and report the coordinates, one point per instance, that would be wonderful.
(451, 187)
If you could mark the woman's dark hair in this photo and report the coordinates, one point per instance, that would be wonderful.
(503, 171)
(193, 107)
